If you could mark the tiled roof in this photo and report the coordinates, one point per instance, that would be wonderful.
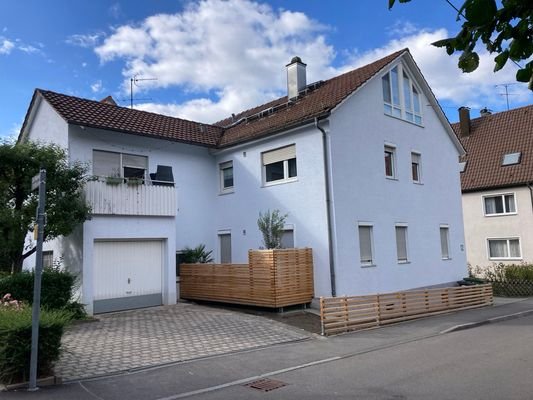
(317, 101)
(491, 137)
(107, 116)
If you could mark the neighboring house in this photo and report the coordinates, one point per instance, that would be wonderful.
(496, 180)
(365, 165)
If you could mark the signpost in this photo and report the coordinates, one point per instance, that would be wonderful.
(38, 181)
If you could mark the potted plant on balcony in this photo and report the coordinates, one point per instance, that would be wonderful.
(134, 181)
(114, 180)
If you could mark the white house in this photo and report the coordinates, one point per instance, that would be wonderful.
(497, 181)
(364, 164)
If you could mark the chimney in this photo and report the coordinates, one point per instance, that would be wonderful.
(484, 112)
(296, 80)
(108, 100)
(464, 121)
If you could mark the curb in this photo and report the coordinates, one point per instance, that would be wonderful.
(501, 318)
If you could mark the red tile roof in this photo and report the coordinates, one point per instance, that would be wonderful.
(317, 101)
(491, 137)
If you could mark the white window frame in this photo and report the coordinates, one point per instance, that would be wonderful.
(404, 110)
(121, 163)
(406, 227)
(502, 195)
(221, 167)
(392, 149)
(419, 166)
(447, 227)
(508, 238)
(286, 177)
(372, 262)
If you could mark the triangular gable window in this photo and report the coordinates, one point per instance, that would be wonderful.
(401, 98)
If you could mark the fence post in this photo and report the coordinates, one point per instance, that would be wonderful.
(322, 316)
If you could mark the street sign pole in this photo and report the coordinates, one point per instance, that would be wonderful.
(37, 280)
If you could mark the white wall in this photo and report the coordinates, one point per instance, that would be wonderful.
(303, 200)
(46, 126)
(478, 227)
(359, 130)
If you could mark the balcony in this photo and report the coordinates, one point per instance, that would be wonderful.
(131, 197)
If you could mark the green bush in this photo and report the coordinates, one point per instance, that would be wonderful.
(56, 292)
(519, 273)
(15, 342)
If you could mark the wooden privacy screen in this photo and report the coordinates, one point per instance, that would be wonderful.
(272, 278)
(344, 314)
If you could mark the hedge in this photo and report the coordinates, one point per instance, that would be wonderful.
(15, 342)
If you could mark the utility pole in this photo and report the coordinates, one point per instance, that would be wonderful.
(40, 182)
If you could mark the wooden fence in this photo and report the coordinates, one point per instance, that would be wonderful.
(344, 314)
(272, 278)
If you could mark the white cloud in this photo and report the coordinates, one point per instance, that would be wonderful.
(6, 46)
(84, 40)
(29, 49)
(96, 87)
(115, 10)
(83, 64)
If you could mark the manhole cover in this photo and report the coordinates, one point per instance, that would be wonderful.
(265, 385)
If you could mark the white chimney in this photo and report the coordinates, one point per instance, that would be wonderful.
(296, 79)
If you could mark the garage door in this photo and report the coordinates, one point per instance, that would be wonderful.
(127, 274)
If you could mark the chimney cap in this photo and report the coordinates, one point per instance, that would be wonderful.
(296, 59)
(485, 111)
(464, 108)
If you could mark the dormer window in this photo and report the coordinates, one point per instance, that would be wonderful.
(511, 159)
(402, 103)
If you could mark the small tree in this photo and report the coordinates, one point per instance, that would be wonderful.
(271, 226)
(65, 206)
(197, 255)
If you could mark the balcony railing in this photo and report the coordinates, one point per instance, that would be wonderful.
(118, 196)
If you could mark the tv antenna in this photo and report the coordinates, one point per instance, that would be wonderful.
(133, 81)
(507, 94)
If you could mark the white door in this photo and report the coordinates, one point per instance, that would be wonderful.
(127, 274)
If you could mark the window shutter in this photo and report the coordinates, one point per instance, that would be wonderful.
(285, 153)
(106, 163)
(226, 164)
(130, 160)
(365, 243)
(401, 242)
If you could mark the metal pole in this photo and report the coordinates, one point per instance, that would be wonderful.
(131, 93)
(37, 281)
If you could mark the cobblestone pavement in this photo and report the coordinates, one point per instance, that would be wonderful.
(154, 336)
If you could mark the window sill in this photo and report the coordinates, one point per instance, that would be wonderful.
(368, 265)
(391, 178)
(500, 215)
(280, 182)
(506, 259)
(418, 183)
(404, 120)
(225, 192)
(446, 259)
(404, 262)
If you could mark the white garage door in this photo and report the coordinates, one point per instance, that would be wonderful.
(127, 274)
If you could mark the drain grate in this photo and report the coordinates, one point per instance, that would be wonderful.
(265, 385)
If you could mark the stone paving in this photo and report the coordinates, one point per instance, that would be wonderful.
(143, 338)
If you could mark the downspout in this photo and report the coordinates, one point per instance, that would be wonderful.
(327, 170)
(530, 193)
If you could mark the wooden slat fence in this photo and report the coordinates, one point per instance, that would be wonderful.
(350, 313)
(272, 278)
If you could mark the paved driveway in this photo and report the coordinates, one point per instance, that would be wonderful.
(142, 338)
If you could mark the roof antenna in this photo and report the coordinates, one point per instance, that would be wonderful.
(506, 94)
(133, 81)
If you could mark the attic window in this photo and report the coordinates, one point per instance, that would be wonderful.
(462, 166)
(511, 159)
(401, 98)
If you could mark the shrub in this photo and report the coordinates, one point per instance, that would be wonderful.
(271, 225)
(197, 255)
(15, 342)
(56, 292)
(519, 273)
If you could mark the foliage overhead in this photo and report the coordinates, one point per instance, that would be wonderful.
(505, 30)
(271, 225)
(65, 206)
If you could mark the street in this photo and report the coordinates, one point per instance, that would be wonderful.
(414, 360)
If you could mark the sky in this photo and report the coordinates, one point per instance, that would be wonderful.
(204, 60)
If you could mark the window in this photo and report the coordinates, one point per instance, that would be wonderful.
(401, 243)
(502, 249)
(511, 159)
(225, 247)
(404, 103)
(415, 167)
(444, 242)
(106, 164)
(226, 176)
(390, 167)
(280, 165)
(365, 244)
(287, 239)
(500, 204)
(48, 258)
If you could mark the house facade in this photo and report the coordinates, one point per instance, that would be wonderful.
(497, 181)
(364, 164)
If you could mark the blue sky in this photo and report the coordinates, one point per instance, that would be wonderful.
(215, 57)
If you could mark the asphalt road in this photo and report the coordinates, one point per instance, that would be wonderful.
(489, 362)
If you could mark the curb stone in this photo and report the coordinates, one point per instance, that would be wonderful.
(493, 320)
